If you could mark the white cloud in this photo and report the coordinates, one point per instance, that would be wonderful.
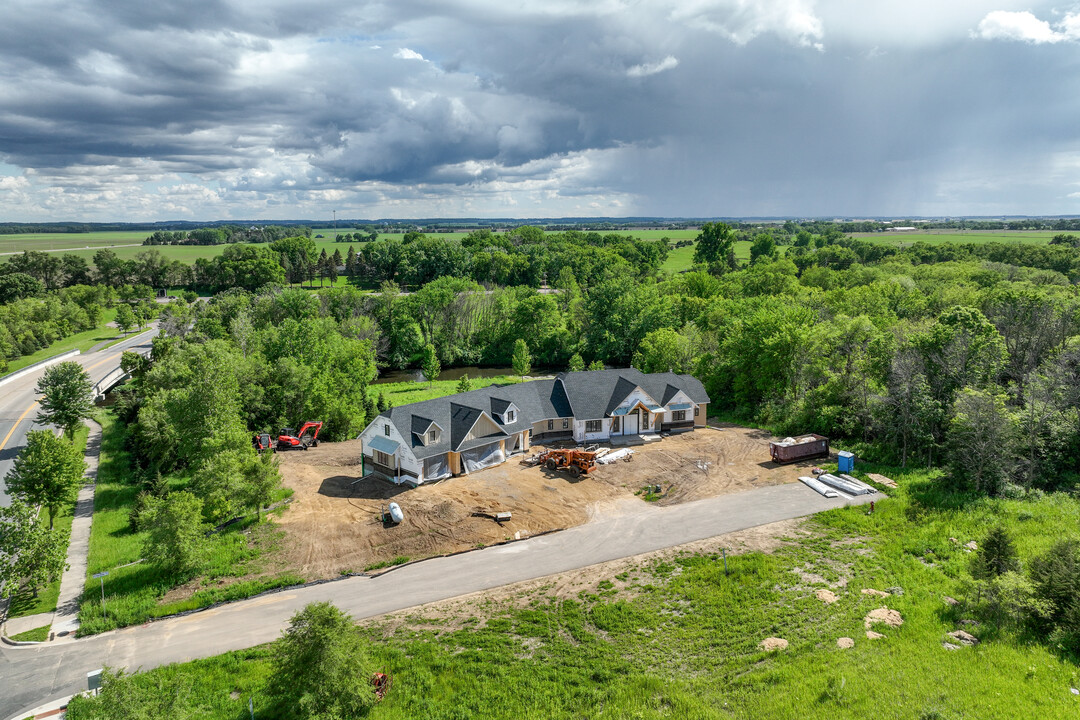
(407, 54)
(1023, 26)
(743, 20)
(645, 69)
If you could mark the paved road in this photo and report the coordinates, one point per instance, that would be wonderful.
(34, 675)
(18, 401)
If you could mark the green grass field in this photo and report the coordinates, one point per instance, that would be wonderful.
(25, 603)
(63, 241)
(403, 393)
(676, 637)
(940, 237)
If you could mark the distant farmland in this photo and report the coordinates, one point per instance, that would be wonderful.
(129, 242)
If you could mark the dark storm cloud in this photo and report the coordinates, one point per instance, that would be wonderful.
(680, 108)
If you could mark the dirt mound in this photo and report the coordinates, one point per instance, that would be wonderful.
(871, 635)
(827, 596)
(874, 593)
(845, 643)
(883, 615)
(773, 643)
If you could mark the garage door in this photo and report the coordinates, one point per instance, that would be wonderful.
(482, 457)
(436, 468)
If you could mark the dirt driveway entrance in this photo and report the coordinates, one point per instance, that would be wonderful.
(333, 524)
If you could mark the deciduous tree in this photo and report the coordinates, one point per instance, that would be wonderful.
(521, 359)
(430, 364)
(48, 472)
(31, 555)
(176, 534)
(67, 397)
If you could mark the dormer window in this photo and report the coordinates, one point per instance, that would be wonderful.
(432, 436)
(510, 416)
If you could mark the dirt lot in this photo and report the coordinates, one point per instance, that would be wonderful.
(333, 524)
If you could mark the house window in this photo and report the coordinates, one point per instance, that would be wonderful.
(383, 459)
(644, 421)
(592, 426)
(565, 424)
(510, 415)
(433, 436)
(551, 424)
(678, 416)
(697, 410)
(386, 430)
(614, 424)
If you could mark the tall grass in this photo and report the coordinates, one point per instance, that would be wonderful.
(680, 638)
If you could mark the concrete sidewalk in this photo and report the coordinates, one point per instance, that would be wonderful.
(66, 618)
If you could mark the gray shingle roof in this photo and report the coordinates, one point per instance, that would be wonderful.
(595, 393)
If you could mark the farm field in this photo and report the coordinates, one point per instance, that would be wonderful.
(940, 237)
(62, 241)
(86, 244)
(672, 634)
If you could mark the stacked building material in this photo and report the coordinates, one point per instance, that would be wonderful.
(818, 487)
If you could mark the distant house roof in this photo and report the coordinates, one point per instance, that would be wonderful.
(587, 395)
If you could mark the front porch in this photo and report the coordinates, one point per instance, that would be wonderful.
(628, 440)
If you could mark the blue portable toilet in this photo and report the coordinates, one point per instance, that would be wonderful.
(845, 461)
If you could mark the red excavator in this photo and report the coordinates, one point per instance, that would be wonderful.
(289, 439)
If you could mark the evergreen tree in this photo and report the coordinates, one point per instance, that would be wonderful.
(576, 363)
(995, 556)
(464, 384)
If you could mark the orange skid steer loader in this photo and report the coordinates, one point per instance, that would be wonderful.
(288, 439)
(575, 462)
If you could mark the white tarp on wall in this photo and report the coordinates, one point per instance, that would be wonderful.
(482, 457)
(436, 468)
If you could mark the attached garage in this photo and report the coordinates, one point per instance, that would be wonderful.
(482, 457)
(436, 468)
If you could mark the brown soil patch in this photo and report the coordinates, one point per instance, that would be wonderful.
(773, 643)
(845, 643)
(333, 525)
(871, 635)
(827, 596)
(883, 615)
(874, 593)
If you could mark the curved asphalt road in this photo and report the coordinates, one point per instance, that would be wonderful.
(30, 676)
(18, 400)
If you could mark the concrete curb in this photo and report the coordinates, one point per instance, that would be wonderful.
(19, 643)
(373, 575)
(37, 366)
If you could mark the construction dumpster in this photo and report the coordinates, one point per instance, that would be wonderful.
(803, 447)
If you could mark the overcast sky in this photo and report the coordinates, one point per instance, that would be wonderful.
(216, 109)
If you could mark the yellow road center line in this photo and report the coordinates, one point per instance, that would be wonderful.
(3, 443)
(12, 430)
